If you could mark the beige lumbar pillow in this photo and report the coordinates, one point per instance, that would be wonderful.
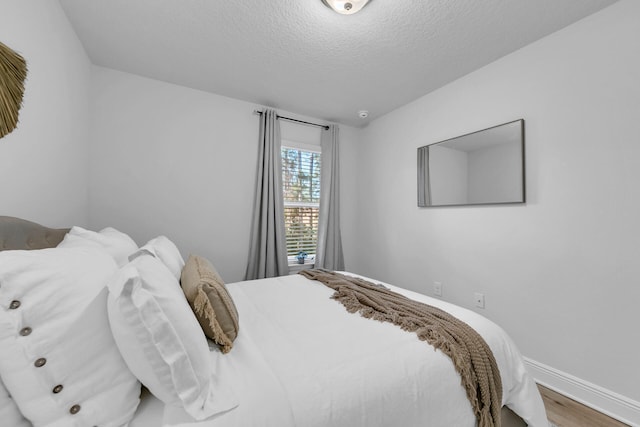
(210, 301)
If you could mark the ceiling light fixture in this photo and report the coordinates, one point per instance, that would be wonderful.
(346, 7)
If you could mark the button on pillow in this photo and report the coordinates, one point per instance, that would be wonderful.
(58, 358)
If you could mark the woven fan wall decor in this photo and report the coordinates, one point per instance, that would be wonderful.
(13, 71)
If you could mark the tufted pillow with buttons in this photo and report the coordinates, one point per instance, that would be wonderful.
(161, 340)
(9, 412)
(166, 251)
(58, 358)
(118, 244)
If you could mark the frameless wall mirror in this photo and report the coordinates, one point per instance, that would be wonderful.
(483, 167)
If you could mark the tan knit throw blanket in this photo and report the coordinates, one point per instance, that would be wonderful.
(470, 354)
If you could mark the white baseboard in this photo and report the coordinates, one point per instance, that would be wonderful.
(606, 401)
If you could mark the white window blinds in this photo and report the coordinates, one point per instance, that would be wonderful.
(301, 191)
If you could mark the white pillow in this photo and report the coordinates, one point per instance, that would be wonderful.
(166, 251)
(161, 340)
(58, 359)
(9, 412)
(118, 244)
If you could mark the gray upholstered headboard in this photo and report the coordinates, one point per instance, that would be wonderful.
(16, 233)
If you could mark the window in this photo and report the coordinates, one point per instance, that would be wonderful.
(301, 191)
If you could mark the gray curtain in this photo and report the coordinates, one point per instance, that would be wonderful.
(424, 184)
(268, 248)
(329, 251)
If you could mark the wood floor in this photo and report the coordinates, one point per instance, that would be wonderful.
(565, 412)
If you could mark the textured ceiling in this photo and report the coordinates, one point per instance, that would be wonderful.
(300, 56)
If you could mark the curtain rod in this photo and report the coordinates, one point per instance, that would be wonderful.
(325, 127)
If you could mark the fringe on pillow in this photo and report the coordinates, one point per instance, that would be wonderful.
(202, 307)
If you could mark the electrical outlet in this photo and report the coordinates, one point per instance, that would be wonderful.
(437, 289)
(479, 299)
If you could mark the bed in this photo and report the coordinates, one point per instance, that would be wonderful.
(300, 359)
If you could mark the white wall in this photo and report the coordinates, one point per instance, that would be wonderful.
(171, 160)
(561, 273)
(43, 162)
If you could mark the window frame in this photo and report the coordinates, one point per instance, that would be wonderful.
(313, 148)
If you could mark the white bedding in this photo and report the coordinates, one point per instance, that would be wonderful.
(302, 360)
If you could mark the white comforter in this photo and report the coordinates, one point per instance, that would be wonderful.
(302, 360)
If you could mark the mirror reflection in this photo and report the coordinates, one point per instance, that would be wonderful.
(483, 167)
